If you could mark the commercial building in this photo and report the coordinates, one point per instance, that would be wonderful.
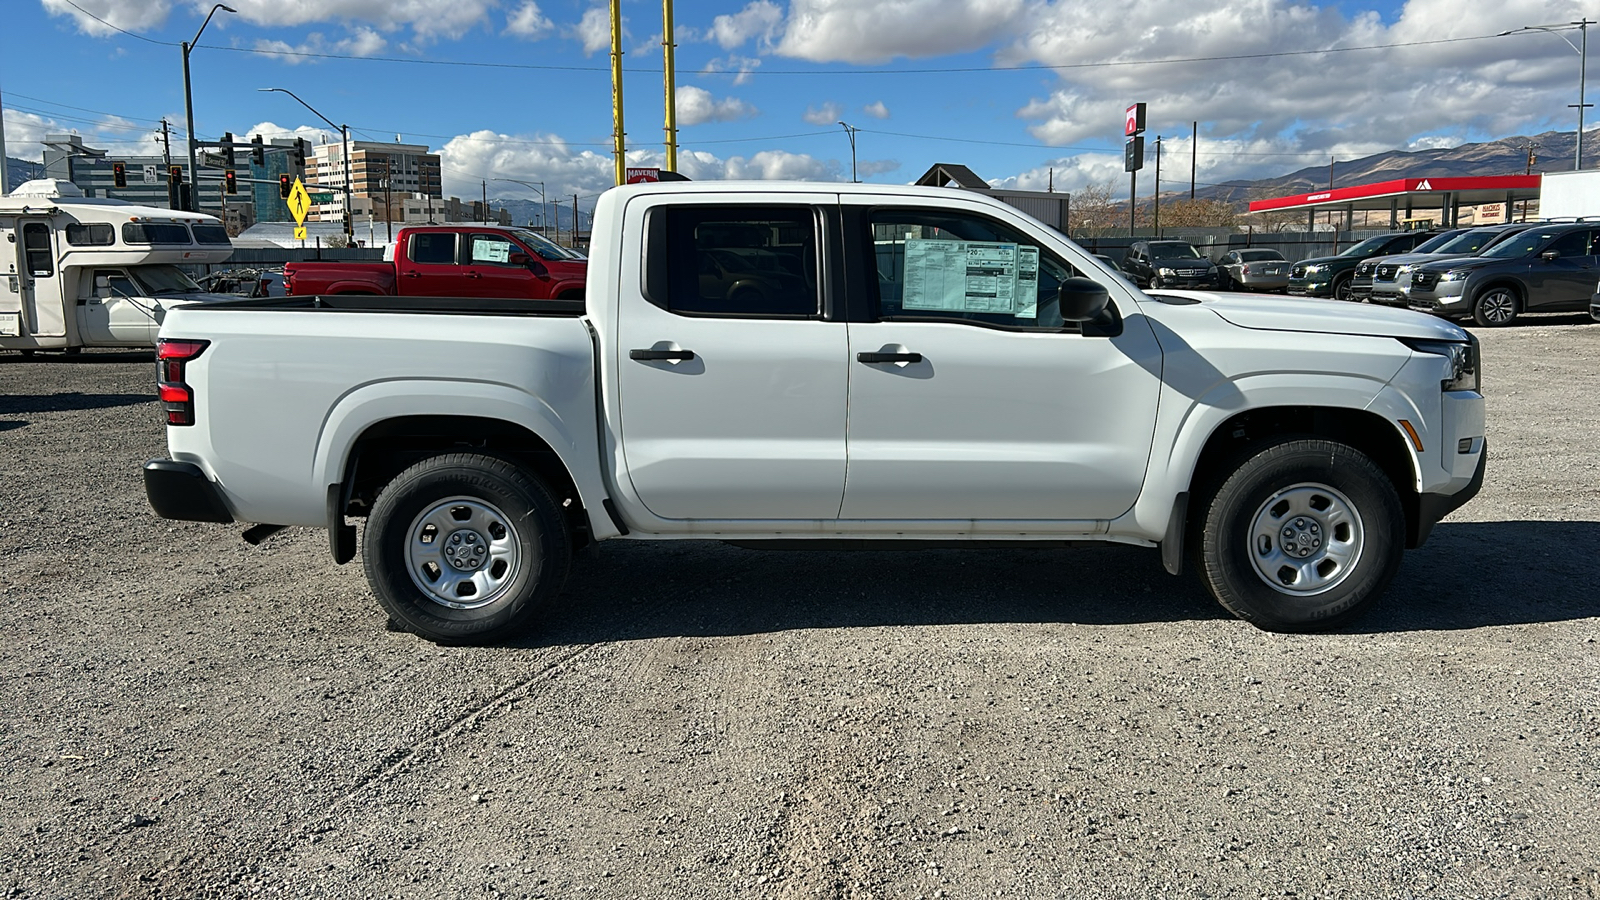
(403, 172)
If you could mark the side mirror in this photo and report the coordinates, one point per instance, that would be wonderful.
(1550, 255)
(520, 259)
(102, 285)
(1082, 299)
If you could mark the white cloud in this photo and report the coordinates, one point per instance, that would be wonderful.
(362, 42)
(867, 31)
(593, 31)
(826, 114)
(528, 23)
(758, 20)
(877, 110)
(696, 106)
(140, 16)
(743, 65)
(428, 19)
(870, 167)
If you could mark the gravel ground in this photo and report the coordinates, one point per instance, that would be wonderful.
(188, 716)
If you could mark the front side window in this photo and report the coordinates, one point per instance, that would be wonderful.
(121, 284)
(1573, 243)
(432, 248)
(490, 249)
(937, 265)
(739, 260)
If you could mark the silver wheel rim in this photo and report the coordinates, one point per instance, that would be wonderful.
(1498, 306)
(1305, 540)
(463, 553)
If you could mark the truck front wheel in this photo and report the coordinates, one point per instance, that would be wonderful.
(466, 548)
(1304, 535)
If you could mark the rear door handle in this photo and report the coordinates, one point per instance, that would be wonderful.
(888, 357)
(649, 355)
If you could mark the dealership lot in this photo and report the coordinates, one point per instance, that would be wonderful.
(185, 715)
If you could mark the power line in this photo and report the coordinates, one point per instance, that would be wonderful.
(115, 28)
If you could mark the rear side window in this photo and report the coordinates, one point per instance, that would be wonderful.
(433, 248)
(155, 233)
(210, 234)
(734, 261)
(91, 235)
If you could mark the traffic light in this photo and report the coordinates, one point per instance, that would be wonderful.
(119, 174)
(284, 184)
(174, 182)
(229, 182)
(300, 153)
(227, 148)
(258, 150)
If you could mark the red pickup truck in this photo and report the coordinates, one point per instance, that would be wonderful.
(453, 261)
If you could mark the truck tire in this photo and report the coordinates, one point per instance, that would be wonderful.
(466, 548)
(1495, 306)
(1303, 535)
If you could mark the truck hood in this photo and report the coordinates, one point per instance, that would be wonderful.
(1324, 317)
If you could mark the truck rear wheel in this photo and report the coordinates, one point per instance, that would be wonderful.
(466, 548)
(1304, 535)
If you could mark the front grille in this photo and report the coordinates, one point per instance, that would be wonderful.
(1297, 272)
(1190, 273)
(1364, 269)
(1424, 280)
(1387, 272)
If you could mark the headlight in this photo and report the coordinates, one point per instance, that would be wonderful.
(1465, 363)
(1312, 270)
(1401, 271)
(1455, 275)
(1167, 273)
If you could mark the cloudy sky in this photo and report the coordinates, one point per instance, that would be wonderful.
(1021, 91)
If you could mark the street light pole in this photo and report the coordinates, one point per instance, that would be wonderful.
(188, 104)
(1582, 49)
(538, 186)
(851, 131)
(349, 187)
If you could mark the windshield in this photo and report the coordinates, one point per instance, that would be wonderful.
(1468, 243)
(1521, 245)
(1432, 245)
(154, 280)
(1366, 247)
(545, 247)
(1260, 256)
(1173, 250)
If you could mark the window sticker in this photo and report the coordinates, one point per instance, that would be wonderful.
(972, 277)
(490, 251)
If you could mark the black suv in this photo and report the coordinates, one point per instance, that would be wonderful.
(1330, 276)
(1159, 264)
(1546, 268)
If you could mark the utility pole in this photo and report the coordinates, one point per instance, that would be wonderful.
(618, 141)
(1194, 154)
(388, 209)
(5, 173)
(166, 141)
(574, 220)
(1531, 159)
(486, 202)
(1050, 186)
(1157, 222)
(667, 43)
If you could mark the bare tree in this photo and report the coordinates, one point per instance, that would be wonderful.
(1093, 209)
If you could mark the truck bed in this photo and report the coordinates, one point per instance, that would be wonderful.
(473, 306)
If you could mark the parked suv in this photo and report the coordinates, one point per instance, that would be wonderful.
(1330, 276)
(1389, 277)
(1159, 264)
(1546, 268)
(1361, 283)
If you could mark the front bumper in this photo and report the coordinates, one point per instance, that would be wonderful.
(1433, 507)
(1315, 286)
(179, 490)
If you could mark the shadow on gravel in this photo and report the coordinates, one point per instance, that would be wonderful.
(93, 357)
(1534, 320)
(12, 425)
(1469, 575)
(44, 403)
(1481, 574)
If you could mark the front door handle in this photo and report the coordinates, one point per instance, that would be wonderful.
(649, 355)
(473, 275)
(871, 358)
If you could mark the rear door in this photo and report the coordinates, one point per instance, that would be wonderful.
(430, 266)
(732, 390)
(11, 282)
(39, 280)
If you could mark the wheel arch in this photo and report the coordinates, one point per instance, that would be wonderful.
(1376, 437)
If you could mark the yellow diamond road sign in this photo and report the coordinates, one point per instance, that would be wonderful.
(299, 232)
(299, 202)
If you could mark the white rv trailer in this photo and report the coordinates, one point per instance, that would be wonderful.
(81, 272)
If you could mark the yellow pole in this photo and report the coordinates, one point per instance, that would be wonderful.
(667, 44)
(616, 90)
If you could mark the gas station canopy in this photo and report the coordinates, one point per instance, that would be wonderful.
(1410, 194)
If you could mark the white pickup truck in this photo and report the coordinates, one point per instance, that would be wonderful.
(824, 365)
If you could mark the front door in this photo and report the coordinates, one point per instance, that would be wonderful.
(11, 291)
(116, 315)
(1567, 281)
(490, 272)
(732, 392)
(970, 397)
(40, 282)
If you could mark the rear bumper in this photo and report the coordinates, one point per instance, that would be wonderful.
(179, 490)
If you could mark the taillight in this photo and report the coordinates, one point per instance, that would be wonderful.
(1246, 270)
(177, 398)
